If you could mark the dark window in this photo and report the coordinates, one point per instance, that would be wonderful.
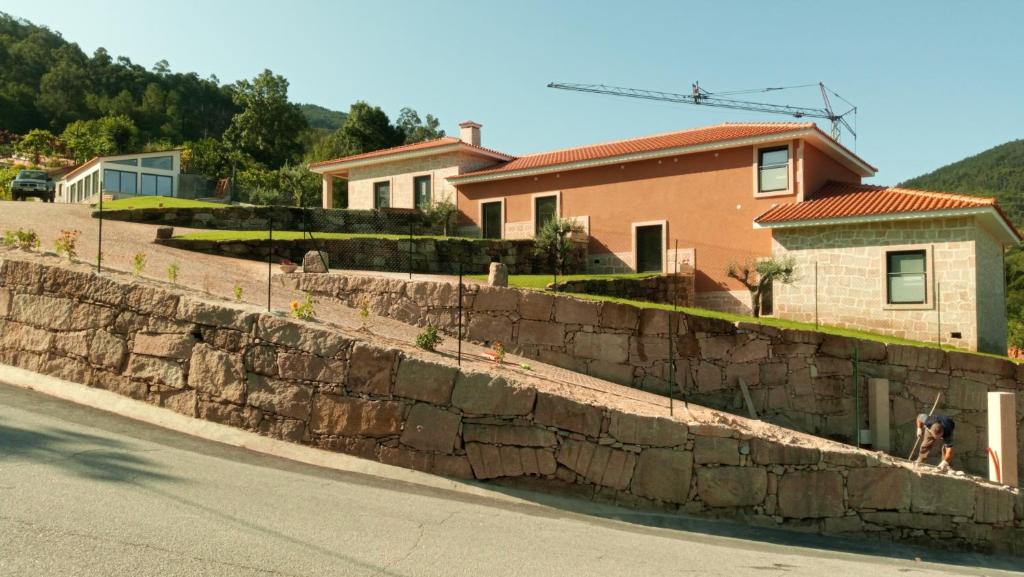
(907, 277)
(158, 162)
(156, 185)
(119, 181)
(126, 161)
(491, 219)
(772, 169)
(381, 194)
(648, 248)
(545, 208)
(421, 188)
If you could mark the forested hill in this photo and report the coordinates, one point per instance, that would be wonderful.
(997, 172)
(48, 82)
(320, 117)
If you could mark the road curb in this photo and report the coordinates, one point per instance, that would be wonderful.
(165, 418)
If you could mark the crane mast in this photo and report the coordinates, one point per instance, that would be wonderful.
(701, 97)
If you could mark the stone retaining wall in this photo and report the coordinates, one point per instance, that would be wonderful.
(428, 255)
(232, 217)
(663, 288)
(311, 384)
(799, 379)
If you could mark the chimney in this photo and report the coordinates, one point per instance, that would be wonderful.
(469, 132)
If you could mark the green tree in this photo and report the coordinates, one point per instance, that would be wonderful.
(36, 143)
(366, 128)
(415, 130)
(760, 275)
(268, 126)
(554, 240)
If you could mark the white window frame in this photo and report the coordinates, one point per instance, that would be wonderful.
(790, 176)
(664, 243)
(433, 196)
(533, 207)
(929, 276)
(480, 213)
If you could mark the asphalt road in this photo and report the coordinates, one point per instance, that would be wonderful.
(83, 492)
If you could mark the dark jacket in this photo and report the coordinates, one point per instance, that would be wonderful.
(947, 427)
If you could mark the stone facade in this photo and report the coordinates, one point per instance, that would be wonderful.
(307, 383)
(422, 255)
(665, 289)
(799, 379)
(965, 280)
(400, 174)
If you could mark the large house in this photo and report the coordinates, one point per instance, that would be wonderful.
(142, 174)
(915, 264)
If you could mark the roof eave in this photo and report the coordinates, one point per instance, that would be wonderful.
(866, 169)
(330, 167)
(998, 224)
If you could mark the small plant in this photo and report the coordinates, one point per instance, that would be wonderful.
(172, 272)
(286, 262)
(525, 366)
(303, 310)
(499, 352)
(364, 310)
(67, 243)
(428, 339)
(238, 292)
(21, 239)
(138, 263)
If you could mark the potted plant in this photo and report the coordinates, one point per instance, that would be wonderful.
(288, 266)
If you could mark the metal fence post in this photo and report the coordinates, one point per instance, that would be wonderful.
(410, 249)
(270, 253)
(459, 357)
(856, 394)
(815, 294)
(99, 249)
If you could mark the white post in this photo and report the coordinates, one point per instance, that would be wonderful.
(328, 191)
(878, 413)
(1002, 438)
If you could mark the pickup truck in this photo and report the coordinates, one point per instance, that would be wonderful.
(33, 183)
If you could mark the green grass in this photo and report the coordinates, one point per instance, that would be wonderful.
(156, 202)
(540, 282)
(233, 235)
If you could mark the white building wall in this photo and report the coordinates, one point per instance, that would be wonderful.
(85, 185)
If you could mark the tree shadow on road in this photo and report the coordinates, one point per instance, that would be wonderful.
(81, 454)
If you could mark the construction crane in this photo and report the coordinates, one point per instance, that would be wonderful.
(702, 97)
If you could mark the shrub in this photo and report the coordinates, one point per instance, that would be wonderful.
(429, 339)
(67, 243)
(303, 310)
(138, 263)
(238, 292)
(172, 272)
(21, 239)
(441, 214)
(554, 240)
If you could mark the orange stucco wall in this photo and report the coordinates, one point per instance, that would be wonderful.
(819, 169)
(707, 200)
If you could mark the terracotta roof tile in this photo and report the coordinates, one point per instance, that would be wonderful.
(426, 144)
(839, 199)
(677, 139)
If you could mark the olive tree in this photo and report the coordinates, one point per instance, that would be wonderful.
(758, 276)
(554, 240)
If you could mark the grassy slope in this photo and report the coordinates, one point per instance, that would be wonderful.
(155, 202)
(229, 235)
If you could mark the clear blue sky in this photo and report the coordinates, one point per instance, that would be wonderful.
(934, 80)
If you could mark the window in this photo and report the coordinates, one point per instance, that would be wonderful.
(907, 277)
(545, 208)
(381, 194)
(492, 219)
(156, 185)
(118, 181)
(773, 169)
(421, 190)
(158, 162)
(768, 300)
(126, 161)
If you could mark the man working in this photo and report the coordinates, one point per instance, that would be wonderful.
(934, 428)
